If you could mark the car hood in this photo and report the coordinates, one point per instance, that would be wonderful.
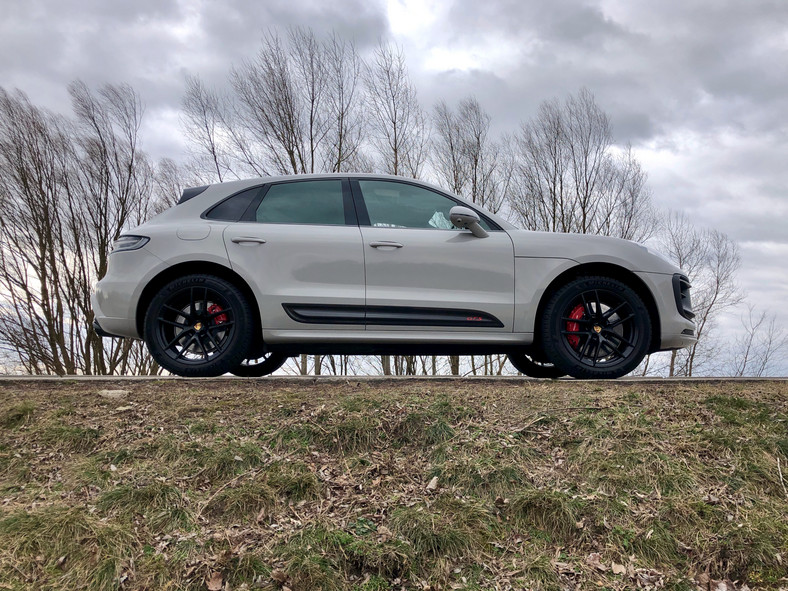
(589, 248)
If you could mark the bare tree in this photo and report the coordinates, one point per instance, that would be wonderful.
(711, 260)
(68, 188)
(344, 106)
(447, 153)
(32, 143)
(763, 340)
(463, 155)
(398, 127)
(169, 181)
(204, 120)
(567, 176)
(294, 108)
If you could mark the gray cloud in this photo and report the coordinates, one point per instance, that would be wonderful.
(660, 65)
(152, 43)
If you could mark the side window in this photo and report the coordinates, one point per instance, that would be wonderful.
(303, 202)
(232, 208)
(400, 205)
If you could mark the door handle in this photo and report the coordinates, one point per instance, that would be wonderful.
(384, 244)
(242, 239)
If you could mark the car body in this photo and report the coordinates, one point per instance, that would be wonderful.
(373, 264)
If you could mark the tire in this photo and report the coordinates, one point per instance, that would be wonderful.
(527, 365)
(262, 366)
(596, 328)
(199, 326)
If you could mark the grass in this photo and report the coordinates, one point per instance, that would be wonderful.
(61, 547)
(324, 485)
(550, 512)
(449, 527)
(161, 506)
(321, 556)
(70, 438)
(293, 480)
(481, 476)
(249, 501)
(17, 415)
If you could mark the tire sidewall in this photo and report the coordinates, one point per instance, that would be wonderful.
(557, 346)
(264, 368)
(526, 366)
(235, 351)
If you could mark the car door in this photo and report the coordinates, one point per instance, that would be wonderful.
(300, 248)
(421, 271)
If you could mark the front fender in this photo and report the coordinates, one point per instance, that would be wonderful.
(532, 277)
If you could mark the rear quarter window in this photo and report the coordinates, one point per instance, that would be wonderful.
(233, 208)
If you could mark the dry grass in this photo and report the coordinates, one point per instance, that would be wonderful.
(324, 485)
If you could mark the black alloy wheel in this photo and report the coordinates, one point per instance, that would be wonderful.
(529, 366)
(596, 327)
(267, 364)
(198, 326)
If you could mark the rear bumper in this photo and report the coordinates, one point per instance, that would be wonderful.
(116, 296)
(103, 333)
(111, 326)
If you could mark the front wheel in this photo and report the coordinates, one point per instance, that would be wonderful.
(532, 368)
(262, 366)
(198, 326)
(596, 327)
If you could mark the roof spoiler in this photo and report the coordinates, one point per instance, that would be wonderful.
(191, 192)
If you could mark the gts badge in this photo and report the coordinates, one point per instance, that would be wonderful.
(474, 319)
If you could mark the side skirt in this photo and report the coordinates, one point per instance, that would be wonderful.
(390, 316)
(293, 349)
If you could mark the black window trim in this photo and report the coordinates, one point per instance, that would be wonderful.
(204, 215)
(355, 209)
(249, 215)
(363, 214)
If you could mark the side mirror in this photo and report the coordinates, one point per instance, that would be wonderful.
(465, 218)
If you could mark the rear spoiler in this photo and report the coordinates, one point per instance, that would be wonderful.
(191, 192)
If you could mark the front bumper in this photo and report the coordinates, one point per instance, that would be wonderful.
(671, 342)
(676, 331)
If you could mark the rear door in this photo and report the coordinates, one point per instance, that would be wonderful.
(300, 248)
(421, 271)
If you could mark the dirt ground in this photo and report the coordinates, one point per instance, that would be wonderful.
(375, 484)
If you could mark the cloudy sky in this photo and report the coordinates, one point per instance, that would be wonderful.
(699, 87)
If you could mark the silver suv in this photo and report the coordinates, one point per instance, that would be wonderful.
(239, 276)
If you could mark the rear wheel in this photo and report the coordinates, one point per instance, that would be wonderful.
(596, 327)
(198, 326)
(529, 366)
(262, 366)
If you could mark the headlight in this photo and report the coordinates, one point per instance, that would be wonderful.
(129, 242)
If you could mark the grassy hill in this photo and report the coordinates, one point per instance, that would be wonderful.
(376, 485)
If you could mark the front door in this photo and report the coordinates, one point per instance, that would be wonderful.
(422, 271)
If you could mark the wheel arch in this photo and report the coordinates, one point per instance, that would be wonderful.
(201, 268)
(605, 270)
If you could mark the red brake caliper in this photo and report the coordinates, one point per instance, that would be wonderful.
(221, 318)
(577, 313)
